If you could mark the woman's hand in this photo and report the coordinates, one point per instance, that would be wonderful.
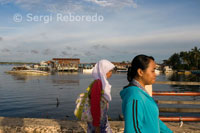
(97, 129)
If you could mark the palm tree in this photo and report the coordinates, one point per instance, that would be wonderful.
(185, 59)
(175, 61)
(196, 56)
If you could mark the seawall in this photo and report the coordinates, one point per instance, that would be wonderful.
(33, 125)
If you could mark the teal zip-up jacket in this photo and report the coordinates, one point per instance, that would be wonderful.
(141, 113)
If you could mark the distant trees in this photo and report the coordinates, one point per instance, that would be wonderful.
(185, 60)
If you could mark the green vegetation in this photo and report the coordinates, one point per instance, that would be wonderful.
(185, 60)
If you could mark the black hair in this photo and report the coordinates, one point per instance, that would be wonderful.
(140, 61)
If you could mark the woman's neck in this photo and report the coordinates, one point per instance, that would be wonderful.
(140, 82)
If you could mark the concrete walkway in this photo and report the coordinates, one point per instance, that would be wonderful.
(31, 125)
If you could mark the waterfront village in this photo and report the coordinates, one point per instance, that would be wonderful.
(74, 65)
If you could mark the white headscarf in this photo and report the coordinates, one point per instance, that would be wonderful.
(99, 72)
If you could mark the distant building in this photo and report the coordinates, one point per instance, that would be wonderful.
(121, 66)
(66, 64)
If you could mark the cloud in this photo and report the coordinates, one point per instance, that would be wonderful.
(5, 1)
(5, 50)
(68, 48)
(34, 51)
(103, 3)
(88, 53)
(99, 46)
(9, 28)
(114, 3)
(64, 53)
(76, 55)
(1, 38)
(48, 52)
(65, 6)
(176, 35)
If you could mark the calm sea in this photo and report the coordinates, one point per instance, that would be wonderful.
(36, 96)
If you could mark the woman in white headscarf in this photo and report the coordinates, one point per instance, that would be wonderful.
(100, 91)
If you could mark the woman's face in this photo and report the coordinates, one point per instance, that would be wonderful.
(149, 75)
(109, 74)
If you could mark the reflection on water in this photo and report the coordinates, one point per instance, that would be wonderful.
(57, 78)
(169, 74)
(54, 96)
(62, 81)
(67, 73)
(24, 77)
(185, 78)
(66, 78)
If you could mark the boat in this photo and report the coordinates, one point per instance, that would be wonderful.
(157, 72)
(26, 70)
(87, 70)
(67, 68)
(195, 72)
(168, 69)
(122, 70)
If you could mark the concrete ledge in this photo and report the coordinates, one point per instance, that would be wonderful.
(32, 125)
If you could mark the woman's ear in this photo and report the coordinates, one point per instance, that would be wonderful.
(140, 72)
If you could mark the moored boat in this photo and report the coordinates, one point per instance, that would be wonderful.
(87, 70)
(122, 70)
(25, 70)
(157, 72)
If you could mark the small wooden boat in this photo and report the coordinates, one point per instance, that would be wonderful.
(26, 71)
(122, 69)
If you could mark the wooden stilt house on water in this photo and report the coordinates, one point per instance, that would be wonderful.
(66, 64)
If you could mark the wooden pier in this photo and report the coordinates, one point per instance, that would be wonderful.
(177, 83)
(173, 93)
(178, 110)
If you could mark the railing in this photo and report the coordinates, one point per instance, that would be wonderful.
(182, 110)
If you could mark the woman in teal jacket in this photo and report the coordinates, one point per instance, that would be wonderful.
(141, 113)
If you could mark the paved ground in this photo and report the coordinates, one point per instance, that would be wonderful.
(30, 125)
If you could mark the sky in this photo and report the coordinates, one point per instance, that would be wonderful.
(117, 30)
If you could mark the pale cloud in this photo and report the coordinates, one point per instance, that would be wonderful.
(88, 53)
(5, 1)
(65, 6)
(64, 53)
(34, 51)
(27, 3)
(9, 28)
(99, 46)
(5, 50)
(75, 55)
(103, 3)
(172, 35)
(68, 48)
(1, 38)
(49, 52)
(114, 3)
(89, 46)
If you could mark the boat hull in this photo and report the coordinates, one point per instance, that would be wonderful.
(28, 72)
